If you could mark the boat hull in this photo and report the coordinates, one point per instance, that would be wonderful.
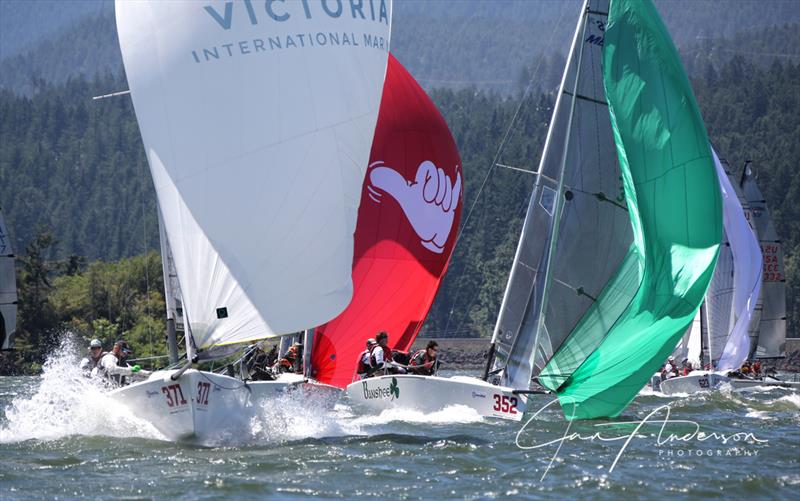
(432, 393)
(695, 382)
(205, 408)
(750, 384)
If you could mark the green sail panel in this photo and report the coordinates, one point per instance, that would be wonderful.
(674, 205)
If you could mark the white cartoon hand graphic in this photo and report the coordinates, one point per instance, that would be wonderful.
(429, 202)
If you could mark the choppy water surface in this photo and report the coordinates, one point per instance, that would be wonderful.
(59, 436)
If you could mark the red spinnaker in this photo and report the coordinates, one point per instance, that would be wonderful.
(407, 225)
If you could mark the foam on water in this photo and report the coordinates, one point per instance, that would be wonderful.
(66, 403)
(295, 417)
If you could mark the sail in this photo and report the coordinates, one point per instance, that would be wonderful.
(746, 283)
(257, 125)
(674, 205)
(407, 224)
(770, 326)
(690, 346)
(8, 289)
(593, 233)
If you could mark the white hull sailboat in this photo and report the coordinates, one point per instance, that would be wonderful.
(720, 333)
(256, 156)
(429, 394)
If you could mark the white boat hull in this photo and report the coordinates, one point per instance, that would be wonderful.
(695, 382)
(749, 384)
(428, 394)
(203, 407)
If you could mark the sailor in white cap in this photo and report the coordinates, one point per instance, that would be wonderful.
(95, 354)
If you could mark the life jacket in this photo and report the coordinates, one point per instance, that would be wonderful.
(419, 359)
(387, 355)
(364, 368)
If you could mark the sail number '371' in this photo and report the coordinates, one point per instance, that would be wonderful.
(174, 395)
(505, 404)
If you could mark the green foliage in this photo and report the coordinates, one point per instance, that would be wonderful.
(108, 301)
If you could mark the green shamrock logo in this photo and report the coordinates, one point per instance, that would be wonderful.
(394, 389)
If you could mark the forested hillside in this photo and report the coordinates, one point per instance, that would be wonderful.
(492, 44)
(76, 168)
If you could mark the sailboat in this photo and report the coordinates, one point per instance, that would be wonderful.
(719, 336)
(768, 328)
(407, 225)
(8, 289)
(257, 125)
(623, 228)
(610, 268)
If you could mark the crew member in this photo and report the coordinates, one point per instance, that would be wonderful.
(670, 369)
(424, 362)
(381, 356)
(95, 354)
(291, 361)
(365, 368)
(114, 367)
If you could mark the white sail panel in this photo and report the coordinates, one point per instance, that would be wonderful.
(257, 120)
(691, 345)
(8, 289)
(746, 254)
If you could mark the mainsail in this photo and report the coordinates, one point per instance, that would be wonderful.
(8, 289)
(605, 285)
(257, 124)
(407, 224)
(593, 232)
(768, 328)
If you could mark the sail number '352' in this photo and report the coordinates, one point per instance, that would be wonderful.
(504, 403)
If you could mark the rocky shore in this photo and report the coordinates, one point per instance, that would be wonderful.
(470, 353)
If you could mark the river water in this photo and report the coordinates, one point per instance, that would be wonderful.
(61, 437)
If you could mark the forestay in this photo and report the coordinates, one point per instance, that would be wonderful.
(8, 289)
(257, 120)
(769, 324)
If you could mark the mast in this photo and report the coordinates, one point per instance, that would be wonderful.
(560, 196)
(705, 334)
(511, 338)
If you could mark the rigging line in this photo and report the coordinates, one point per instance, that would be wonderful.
(500, 148)
(146, 266)
(510, 127)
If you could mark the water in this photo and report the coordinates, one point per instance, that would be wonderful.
(60, 437)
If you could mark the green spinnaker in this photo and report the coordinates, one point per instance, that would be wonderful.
(675, 209)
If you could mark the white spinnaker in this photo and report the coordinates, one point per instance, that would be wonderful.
(8, 289)
(747, 273)
(691, 345)
(257, 120)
